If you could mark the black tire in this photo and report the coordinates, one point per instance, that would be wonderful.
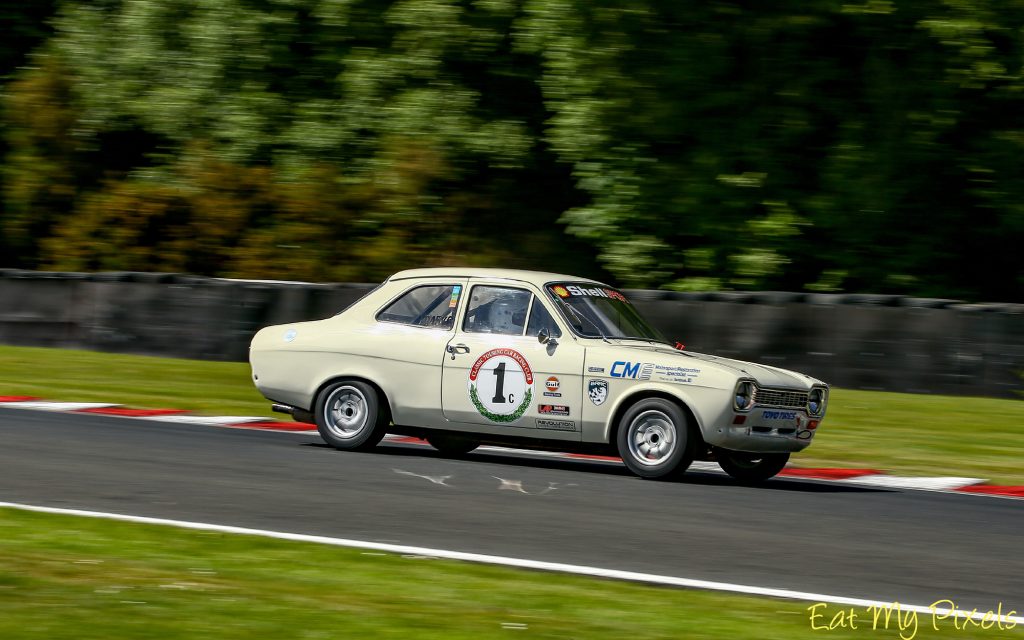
(452, 445)
(349, 416)
(656, 440)
(751, 467)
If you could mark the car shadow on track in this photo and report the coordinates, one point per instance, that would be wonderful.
(693, 478)
(507, 459)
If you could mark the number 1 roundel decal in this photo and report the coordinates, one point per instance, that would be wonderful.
(501, 385)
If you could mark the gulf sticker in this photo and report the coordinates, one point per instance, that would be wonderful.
(552, 384)
(501, 385)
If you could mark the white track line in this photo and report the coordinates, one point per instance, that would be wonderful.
(908, 482)
(614, 574)
(214, 420)
(706, 467)
(40, 405)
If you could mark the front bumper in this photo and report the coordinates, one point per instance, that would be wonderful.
(765, 430)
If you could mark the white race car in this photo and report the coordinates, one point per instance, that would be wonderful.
(463, 357)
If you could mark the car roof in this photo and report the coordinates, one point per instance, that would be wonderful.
(538, 278)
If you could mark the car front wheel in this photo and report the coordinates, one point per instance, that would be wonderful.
(349, 416)
(655, 439)
(751, 467)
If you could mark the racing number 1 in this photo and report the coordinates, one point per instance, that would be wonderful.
(499, 386)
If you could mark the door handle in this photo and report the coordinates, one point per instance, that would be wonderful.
(457, 348)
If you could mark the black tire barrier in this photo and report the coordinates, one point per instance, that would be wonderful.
(861, 341)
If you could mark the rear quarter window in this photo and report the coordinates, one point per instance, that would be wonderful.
(424, 306)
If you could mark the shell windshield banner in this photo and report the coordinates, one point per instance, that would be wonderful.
(581, 290)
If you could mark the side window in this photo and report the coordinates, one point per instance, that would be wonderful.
(541, 319)
(498, 310)
(427, 306)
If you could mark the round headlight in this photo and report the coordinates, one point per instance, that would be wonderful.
(816, 402)
(744, 395)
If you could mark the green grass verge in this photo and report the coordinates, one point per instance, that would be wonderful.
(221, 388)
(918, 434)
(894, 432)
(82, 578)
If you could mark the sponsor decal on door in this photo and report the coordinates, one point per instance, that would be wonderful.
(501, 385)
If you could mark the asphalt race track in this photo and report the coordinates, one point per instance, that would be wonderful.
(914, 547)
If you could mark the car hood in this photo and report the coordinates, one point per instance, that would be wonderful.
(658, 354)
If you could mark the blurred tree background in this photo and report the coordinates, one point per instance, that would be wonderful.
(870, 145)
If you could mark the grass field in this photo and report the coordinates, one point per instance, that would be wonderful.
(72, 577)
(68, 577)
(898, 433)
(223, 388)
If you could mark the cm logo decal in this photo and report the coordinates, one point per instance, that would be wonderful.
(635, 370)
(501, 385)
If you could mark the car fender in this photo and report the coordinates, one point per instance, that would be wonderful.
(371, 378)
(692, 398)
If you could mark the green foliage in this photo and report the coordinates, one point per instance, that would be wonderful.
(820, 145)
(779, 146)
(45, 167)
(310, 140)
(25, 27)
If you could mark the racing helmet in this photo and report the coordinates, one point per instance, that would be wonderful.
(507, 314)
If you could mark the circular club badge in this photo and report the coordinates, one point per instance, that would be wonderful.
(501, 385)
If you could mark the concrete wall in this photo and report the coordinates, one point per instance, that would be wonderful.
(857, 341)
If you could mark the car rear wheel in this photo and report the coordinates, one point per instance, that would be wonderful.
(349, 416)
(452, 445)
(751, 467)
(655, 439)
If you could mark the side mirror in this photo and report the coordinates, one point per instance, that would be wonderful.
(544, 337)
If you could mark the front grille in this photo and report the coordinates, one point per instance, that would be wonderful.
(780, 398)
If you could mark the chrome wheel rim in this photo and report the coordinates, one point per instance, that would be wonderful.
(651, 437)
(345, 412)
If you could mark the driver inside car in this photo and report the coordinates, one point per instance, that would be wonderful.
(507, 314)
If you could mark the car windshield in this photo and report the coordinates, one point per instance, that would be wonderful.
(595, 311)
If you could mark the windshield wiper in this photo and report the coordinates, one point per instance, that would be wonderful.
(649, 340)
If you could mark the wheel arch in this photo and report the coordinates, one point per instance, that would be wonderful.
(643, 393)
(381, 394)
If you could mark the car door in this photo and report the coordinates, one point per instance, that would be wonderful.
(408, 344)
(499, 378)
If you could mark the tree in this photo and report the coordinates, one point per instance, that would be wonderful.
(24, 27)
(423, 104)
(825, 145)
